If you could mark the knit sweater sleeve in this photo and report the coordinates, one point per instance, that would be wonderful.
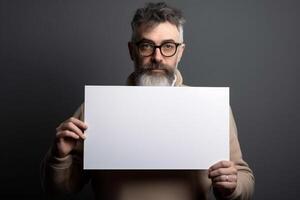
(64, 176)
(245, 178)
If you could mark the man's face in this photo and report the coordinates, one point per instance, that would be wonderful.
(156, 69)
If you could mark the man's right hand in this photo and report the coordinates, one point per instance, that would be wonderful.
(67, 135)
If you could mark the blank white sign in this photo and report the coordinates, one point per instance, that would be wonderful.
(132, 127)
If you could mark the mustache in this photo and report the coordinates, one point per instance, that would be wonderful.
(155, 66)
(152, 66)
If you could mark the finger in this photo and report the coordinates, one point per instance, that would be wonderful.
(75, 121)
(221, 164)
(225, 185)
(222, 178)
(222, 171)
(225, 178)
(72, 127)
(78, 123)
(67, 133)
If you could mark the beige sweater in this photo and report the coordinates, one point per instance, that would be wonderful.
(66, 175)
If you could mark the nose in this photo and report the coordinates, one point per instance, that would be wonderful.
(157, 55)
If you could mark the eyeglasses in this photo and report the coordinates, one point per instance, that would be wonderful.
(167, 49)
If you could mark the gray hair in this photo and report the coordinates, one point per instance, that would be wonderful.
(153, 14)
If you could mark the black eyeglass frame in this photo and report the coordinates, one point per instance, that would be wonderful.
(158, 46)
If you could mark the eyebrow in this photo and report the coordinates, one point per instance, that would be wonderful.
(150, 41)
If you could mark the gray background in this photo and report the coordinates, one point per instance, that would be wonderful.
(50, 49)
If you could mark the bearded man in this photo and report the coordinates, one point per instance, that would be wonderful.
(156, 48)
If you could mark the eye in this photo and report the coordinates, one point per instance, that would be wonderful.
(145, 46)
(168, 46)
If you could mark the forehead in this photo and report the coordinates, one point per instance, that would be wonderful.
(158, 33)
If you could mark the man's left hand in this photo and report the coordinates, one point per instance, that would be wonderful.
(224, 177)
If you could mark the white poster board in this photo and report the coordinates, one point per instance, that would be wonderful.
(132, 127)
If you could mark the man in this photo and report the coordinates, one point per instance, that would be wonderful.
(156, 48)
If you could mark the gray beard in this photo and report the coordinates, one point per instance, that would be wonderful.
(148, 79)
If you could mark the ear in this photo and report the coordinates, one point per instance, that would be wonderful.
(131, 50)
(180, 52)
